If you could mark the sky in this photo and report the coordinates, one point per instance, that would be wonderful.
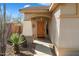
(12, 9)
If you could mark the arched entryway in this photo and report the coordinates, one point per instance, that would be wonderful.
(40, 26)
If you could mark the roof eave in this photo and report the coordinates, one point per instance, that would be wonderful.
(33, 11)
(53, 6)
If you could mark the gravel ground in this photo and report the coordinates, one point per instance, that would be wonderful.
(23, 51)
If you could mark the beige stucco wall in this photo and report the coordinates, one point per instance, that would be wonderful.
(69, 33)
(54, 25)
(69, 30)
(78, 9)
(54, 28)
(64, 29)
(27, 28)
(69, 36)
(68, 9)
(27, 32)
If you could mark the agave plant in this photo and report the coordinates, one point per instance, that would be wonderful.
(16, 40)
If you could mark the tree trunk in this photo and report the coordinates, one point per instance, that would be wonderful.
(2, 31)
(16, 49)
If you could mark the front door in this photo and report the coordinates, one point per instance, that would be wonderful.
(41, 28)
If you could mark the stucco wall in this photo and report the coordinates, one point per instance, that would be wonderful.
(54, 25)
(27, 28)
(69, 33)
(27, 32)
(69, 27)
(68, 9)
(64, 29)
(69, 30)
(78, 9)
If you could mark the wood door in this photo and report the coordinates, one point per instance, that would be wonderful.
(40, 28)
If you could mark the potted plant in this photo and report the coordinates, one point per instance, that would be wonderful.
(16, 39)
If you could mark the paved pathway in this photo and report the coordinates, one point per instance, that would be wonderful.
(42, 47)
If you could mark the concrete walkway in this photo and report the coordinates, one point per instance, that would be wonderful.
(42, 47)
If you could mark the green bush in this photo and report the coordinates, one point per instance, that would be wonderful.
(16, 39)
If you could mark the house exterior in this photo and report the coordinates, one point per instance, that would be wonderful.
(59, 22)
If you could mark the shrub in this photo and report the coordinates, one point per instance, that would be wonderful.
(16, 40)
